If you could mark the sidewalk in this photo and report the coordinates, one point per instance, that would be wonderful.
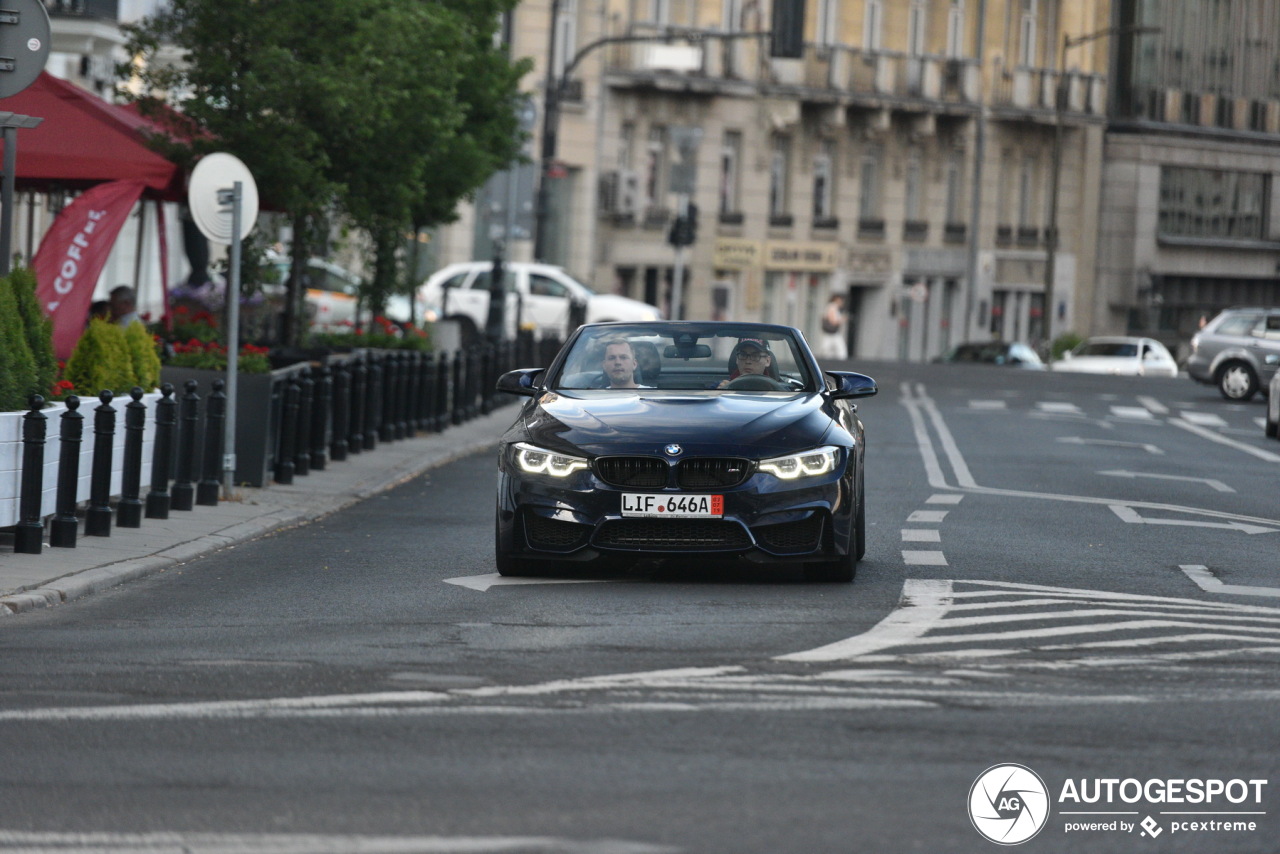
(97, 563)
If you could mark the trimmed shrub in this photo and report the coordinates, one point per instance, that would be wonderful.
(17, 366)
(143, 356)
(38, 327)
(100, 361)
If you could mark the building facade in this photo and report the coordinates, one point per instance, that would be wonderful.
(1191, 168)
(903, 156)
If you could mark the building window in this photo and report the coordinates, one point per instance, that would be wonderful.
(914, 201)
(955, 187)
(730, 165)
(656, 12)
(869, 181)
(828, 23)
(823, 181)
(955, 29)
(779, 170)
(654, 165)
(1027, 192)
(1213, 203)
(917, 17)
(873, 22)
(626, 145)
(1027, 34)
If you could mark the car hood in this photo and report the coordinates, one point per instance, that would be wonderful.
(640, 423)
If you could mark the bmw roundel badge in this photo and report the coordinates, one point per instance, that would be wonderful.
(673, 450)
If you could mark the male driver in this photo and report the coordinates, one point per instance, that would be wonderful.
(750, 356)
(620, 364)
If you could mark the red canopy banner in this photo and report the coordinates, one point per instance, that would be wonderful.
(85, 140)
(73, 253)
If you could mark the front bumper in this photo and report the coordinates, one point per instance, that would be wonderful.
(766, 520)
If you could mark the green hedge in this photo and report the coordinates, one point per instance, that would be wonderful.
(20, 372)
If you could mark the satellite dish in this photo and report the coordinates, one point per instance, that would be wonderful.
(209, 195)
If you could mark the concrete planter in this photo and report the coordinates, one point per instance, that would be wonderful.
(11, 451)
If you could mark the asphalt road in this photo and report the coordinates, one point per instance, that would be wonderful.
(1075, 574)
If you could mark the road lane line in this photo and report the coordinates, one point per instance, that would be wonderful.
(920, 535)
(1223, 440)
(1210, 583)
(923, 558)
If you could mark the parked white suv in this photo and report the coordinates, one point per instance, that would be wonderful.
(540, 294)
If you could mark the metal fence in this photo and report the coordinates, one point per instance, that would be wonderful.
(296, 420)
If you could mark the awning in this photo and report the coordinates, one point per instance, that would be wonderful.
(84, 141)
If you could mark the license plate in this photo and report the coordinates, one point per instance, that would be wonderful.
(672, 506)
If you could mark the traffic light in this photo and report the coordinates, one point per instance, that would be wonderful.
(684, 228)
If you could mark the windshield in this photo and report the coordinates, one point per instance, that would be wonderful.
(709, 357)
(1107, 348)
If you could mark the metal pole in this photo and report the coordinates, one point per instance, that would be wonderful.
(6, 197)
(233, 346)
(677, 275)
(550, 133)
(1051, 236)
(975, 194)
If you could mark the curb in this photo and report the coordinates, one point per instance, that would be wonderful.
(79, 584)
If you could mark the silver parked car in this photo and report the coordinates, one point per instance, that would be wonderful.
(1231, 351)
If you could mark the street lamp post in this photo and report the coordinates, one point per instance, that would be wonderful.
(1059, 108)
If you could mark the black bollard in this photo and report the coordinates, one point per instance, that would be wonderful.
(359, 375)
(401, 396)
(458, 401)
(341, 412)
(488, 360)
(444, 392)
(97, 519)
(184, 486)
(321, 412)
(64, 526)
(288, 430)
(372, 404)
(29, 532)
(413, 393)
(390, 367)
(215, 440)
(162, 454)
(302, 446)
(129, 507)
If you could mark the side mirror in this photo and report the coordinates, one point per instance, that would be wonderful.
(850, 385)
(523, 381)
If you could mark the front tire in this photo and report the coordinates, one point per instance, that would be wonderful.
(841, 570)
(1237, 382)
(508, 565)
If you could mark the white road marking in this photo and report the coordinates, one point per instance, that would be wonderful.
(945, 498)
(920, 535)
(298, 843)
(1210, 583)
(923, 558)
(989, 405)
(1133, 413)
(484, 582)
(1261, 422)
(1059, 408)
(1204, 419)
(1223, 440)
(1215, 484)
(1154, 405)
(1077, 440)
(927, 515)
(1133, 517)
(922, 604)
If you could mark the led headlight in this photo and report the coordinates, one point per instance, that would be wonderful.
(534, 460)
(807, 464)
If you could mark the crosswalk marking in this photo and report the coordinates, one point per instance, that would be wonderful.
(920, 535)
(923, 558)
(1058, 408)
(1133, 413)
(988, 405)
(927, 516)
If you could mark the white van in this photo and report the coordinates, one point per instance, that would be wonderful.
(541, 295)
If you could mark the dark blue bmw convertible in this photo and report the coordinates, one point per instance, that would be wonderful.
(683, 440)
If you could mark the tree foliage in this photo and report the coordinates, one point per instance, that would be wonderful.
(389, 111)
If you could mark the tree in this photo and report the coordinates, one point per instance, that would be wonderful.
(17, 365)
(330, 103)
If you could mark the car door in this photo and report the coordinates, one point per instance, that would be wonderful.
(1157, 361)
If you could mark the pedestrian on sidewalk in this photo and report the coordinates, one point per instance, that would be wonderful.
(833, 344)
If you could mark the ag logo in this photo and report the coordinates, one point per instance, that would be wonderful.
(1008, 804)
